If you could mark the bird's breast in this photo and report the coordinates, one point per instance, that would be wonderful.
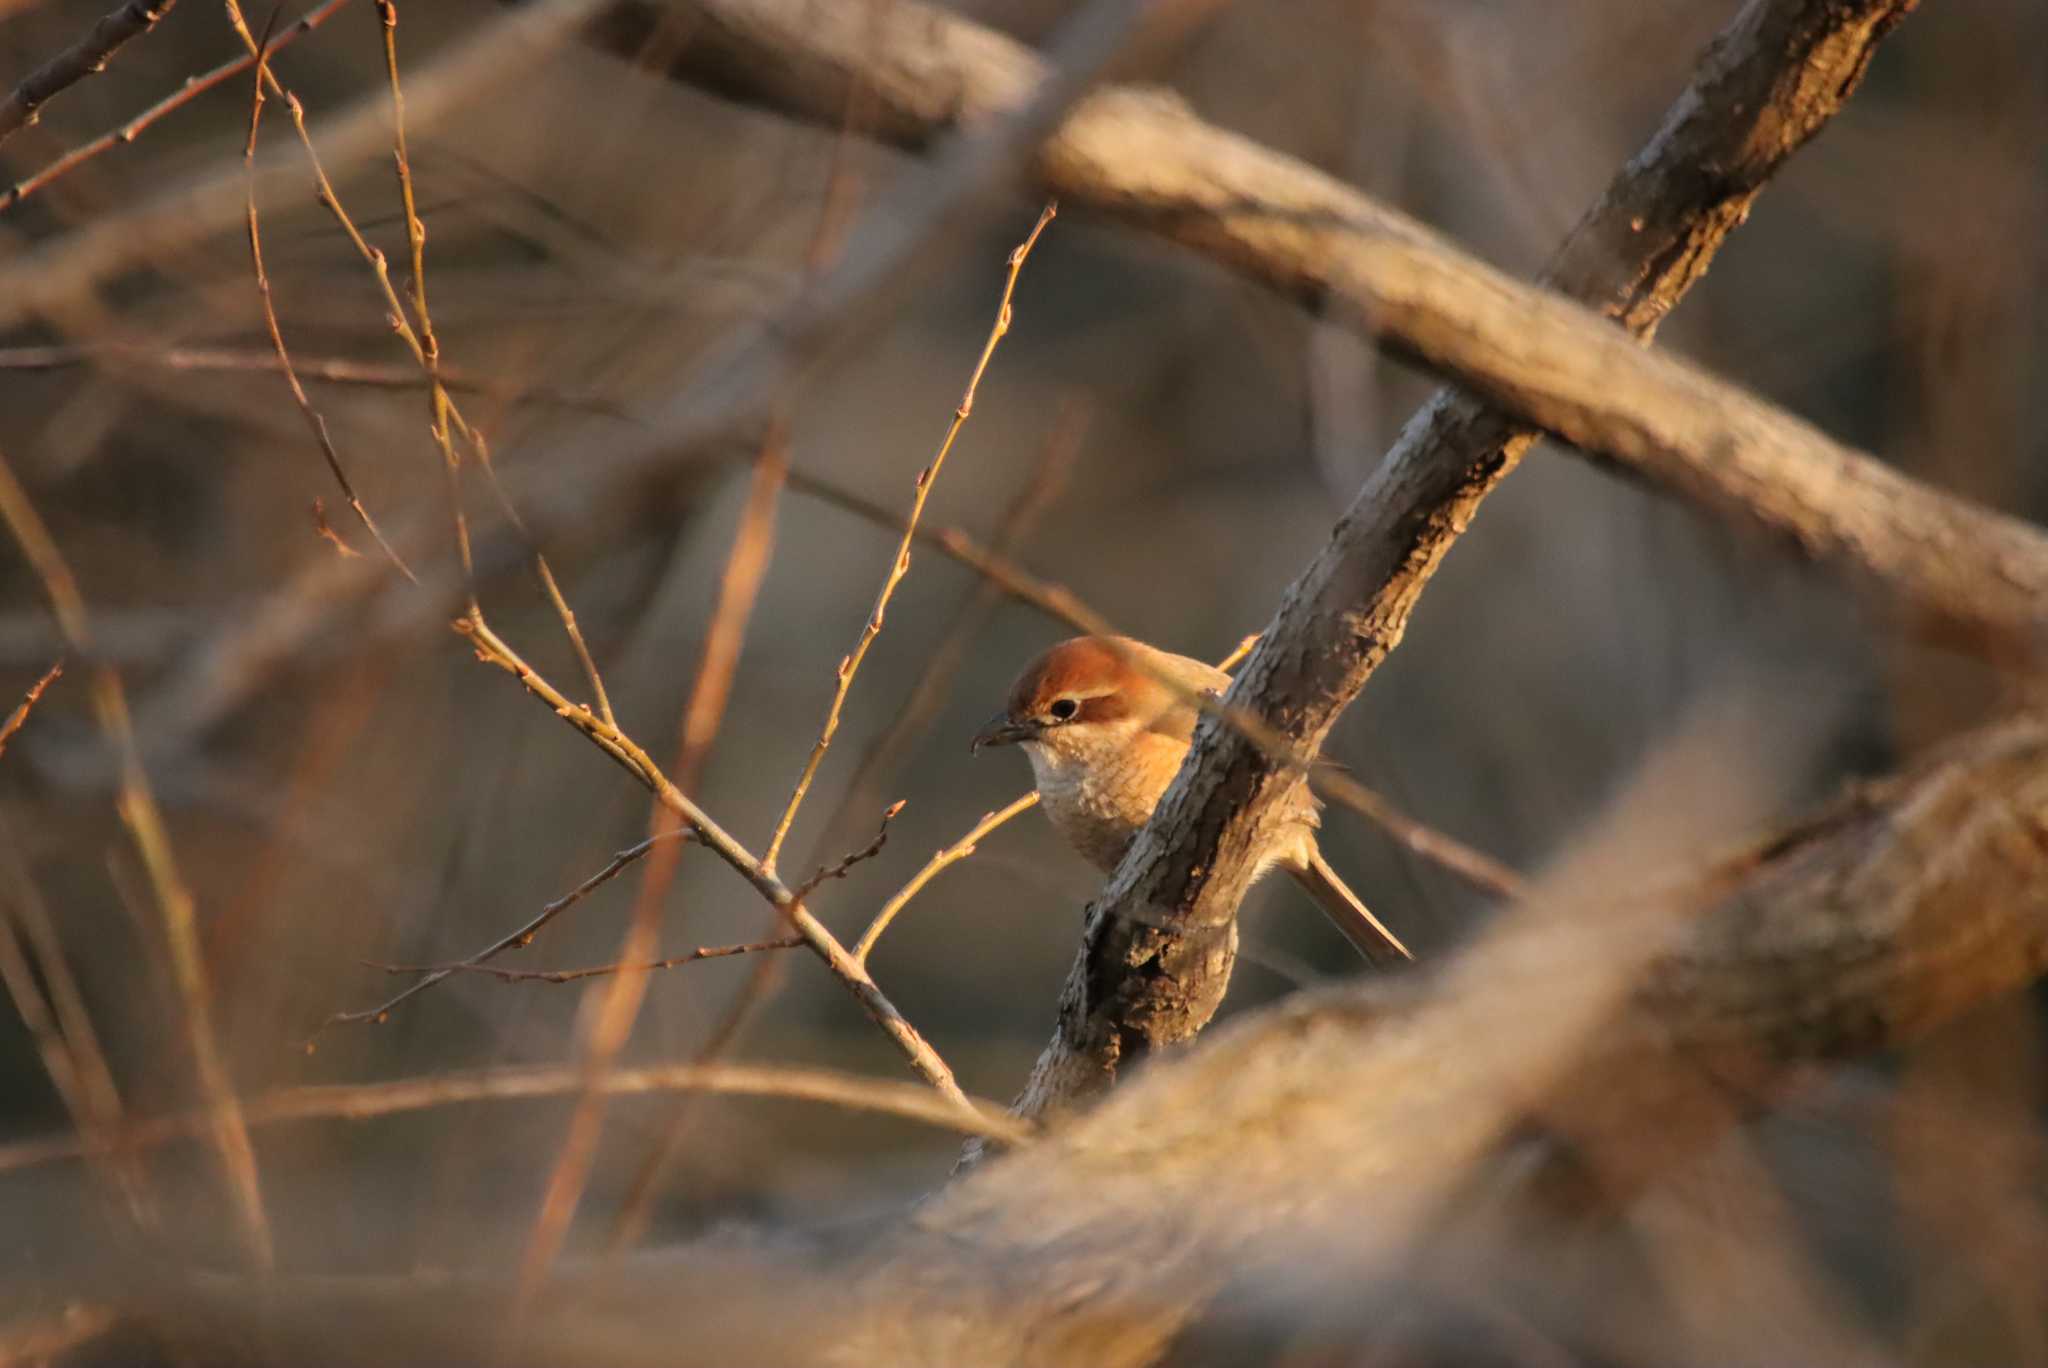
(1097, 804)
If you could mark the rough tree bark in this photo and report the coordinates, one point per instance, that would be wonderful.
(1766, 85)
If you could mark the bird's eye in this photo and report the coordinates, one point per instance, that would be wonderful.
(1063, 709)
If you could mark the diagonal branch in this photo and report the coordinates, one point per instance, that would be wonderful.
(1772, 79)
(1782, 67)
(86, 57)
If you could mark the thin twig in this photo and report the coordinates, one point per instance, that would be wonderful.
(631, 757)
(922, 702)
(32, 914)
(144, 820)
(1054, 600)
(192, 89)
(442, 408)
(517, 940)
(314, 420)
(952, 854)
(702, 952)
(86, 57)
(332, 370)
(362, 1102)
(607, 1027)
(840, 868)
(900, 565)
(34, 696)
(1477, 868)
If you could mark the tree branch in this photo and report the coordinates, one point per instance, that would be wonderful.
(86, 57)
(1766, 84)
(1771, 80)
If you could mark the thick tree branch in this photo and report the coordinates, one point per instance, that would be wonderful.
(1767, 83)
(1772, 79)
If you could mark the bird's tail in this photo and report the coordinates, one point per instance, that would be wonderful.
(1379, 945)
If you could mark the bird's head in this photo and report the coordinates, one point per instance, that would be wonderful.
(1078, 697)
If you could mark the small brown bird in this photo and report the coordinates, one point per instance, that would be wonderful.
(1105, 737)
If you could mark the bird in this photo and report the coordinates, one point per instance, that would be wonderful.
(1105, 722)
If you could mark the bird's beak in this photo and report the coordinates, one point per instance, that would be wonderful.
(1003, 731)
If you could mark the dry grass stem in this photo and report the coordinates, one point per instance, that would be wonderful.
(192, 88)
(739, 586)
(900, 565)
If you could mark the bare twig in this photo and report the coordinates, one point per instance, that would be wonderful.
(175, 912)
(27, 705)
(192, 89)
(333, 370)
(900, 566)
(1477, 868)
(86, 57)
(952, 854)
(921, 703)
(362, 1102)
(608, 1027)
(702, 952)
(1054, 600)
(737, 382)
(517, 940)
(442, 411)
(843, 866)
(635, 761)
(314, 421)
